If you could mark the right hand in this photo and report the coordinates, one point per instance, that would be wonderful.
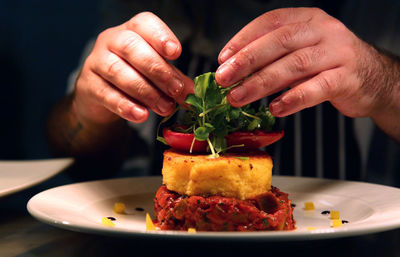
(126, 73)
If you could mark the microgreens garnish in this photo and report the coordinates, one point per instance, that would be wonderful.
(210, 117)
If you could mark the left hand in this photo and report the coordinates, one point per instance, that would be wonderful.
(307, 51)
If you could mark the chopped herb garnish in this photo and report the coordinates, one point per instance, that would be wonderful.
(242, 158)
(265, 223)
(205, 217)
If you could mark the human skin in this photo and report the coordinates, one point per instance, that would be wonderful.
(301, 49)
(317, 59)
(125, 76)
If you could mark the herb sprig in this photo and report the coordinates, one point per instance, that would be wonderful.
(210, 113)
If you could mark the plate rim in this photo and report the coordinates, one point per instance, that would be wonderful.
(237, 236)
(6, 192)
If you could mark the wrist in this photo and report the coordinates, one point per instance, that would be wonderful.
(91, 114)
(388, 88)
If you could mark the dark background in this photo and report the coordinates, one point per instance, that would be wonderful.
(41, 43)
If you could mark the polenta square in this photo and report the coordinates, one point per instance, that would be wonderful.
(231, 176)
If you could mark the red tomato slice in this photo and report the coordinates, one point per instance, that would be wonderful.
(253, 139)
(183, 141)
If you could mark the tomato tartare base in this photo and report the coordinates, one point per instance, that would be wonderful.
(268, 211)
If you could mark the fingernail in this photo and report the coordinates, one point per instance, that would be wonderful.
(238, 93)
(175, 87)
(276, 107)
(225, 74)
(224, 55)
(138, 113)
(164, 105)
(170, 48)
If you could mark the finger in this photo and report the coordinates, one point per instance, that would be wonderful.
(156, 33)
(262, 25)
(265, 50)
(320, 88)
(283, 73)
(135, 51)
(188, 86)
(122, 76)
(116, 101)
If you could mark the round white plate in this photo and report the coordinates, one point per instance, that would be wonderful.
(80, 207)
(19, 175)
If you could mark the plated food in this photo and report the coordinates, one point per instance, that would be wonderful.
(215, 177)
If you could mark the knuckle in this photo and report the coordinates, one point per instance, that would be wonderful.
(316, 10)
(301, 96)
(109, 100)
(285, 38)
(113, 68)
(245, 58)
(260, 80)
(301, 62)
(102, 95)
(248, 56)
(129, 43)
(326, 84)
(144, 93)
(140, 17)
(159, 72)
(143, 15)
(263, 79)
(334, 25)
(105, 34)
(272, 18)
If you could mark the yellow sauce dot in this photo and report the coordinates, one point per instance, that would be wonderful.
(309, 206)
(335, 215)
(336, 223)
(119, 208)
(311, 228)
(107, 222)
(191, 230)
(149, 223)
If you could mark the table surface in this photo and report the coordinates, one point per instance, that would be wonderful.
(22, 235)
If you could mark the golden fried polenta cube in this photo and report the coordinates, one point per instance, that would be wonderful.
(227, 176)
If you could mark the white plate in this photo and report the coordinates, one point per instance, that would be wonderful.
(18, 175)
(80, 207)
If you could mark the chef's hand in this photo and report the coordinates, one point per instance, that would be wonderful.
(127, 74)
(310, 53)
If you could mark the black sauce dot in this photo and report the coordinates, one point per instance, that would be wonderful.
(111, 218)
(293, 205)
(139, 209)
(325, 212)
(344, 221)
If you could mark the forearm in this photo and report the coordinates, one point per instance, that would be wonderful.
(386, 115)
(69, 135)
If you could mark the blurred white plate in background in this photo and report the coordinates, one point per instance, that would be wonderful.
(19, 175)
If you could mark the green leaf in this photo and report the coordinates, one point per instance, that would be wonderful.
(254, 124)
(209, 126)
(234, 113)
(194, 101)
(201, 133)
(242, 158)
(209, 111)
(201, 84)
(162, 140)
(267, 119)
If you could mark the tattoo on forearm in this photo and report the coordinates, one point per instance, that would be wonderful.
(73, 132)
